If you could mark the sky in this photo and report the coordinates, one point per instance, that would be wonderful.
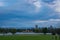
(28, 13)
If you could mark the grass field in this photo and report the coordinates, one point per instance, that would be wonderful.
(26, 37)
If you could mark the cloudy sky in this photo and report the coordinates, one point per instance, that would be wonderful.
(28, 13)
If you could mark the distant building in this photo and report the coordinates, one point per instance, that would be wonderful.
(36, 26)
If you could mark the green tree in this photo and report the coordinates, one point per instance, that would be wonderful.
(3, 30)
(13, 31)
(0, 30)
(58, 32)
(36, 29)
(44, 30)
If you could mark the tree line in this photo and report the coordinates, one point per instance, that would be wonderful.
(44, 30)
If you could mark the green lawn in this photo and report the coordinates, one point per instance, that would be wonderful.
(26, 37)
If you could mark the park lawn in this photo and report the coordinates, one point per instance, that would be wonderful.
(26, 37)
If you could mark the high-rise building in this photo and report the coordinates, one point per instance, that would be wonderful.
(36, 26)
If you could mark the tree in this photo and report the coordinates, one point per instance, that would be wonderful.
(58, 32)
(6, 30)
(44, 30)
(13, 31)
(36, 29)
(3, 30)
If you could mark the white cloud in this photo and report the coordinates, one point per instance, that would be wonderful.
(50, 20)
(36, 3)
(40, 21)
(57, 6)
(54, 20)
(2, 4)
